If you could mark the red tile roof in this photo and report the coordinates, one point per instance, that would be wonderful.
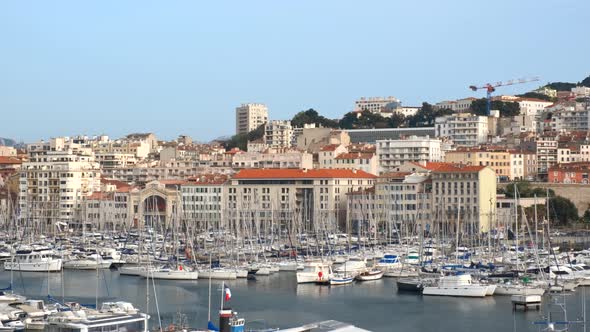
(8, 160)
(455, 168)
(302, 174)
(330, 147)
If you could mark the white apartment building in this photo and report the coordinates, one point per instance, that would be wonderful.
(273, 159)
(581, 91)
(463, 129)
(278, 134)
(115, 160)
(250, 117)
(546, 149)
(458, 106)
(138, 148)
(55, 179)
(376, 104)
(532, 106)
(566, 118)
(393, 153)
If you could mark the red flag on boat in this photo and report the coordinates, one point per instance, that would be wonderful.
(227, 294)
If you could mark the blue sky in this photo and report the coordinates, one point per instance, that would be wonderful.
(172, 67)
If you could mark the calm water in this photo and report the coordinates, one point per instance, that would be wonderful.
(280, 302)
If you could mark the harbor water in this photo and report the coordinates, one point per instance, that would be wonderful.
(277, 301)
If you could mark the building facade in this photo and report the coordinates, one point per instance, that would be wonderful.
(250, 117)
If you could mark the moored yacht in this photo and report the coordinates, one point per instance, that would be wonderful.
(315, 271)
(458, 285)
(33, 261)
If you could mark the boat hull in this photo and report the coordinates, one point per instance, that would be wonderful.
(459, 291)
(49, 266)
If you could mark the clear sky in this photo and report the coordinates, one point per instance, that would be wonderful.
(172, 67)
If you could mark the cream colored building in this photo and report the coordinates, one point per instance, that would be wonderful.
(467, 193)
(278, 134)
(376, 104)
(498, 160)
(55, 179)
(314, 198)
(7, 151)
(250, 117)
(273, 158)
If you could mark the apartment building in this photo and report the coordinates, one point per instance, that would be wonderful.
(278, 134)
(55, 179)
(115, 160)
(508, 164)
(250, 117)
(7, 151)
(283, 196)
(458, 106)
(467, 193)
(569, 173)
(203, 201)
(463, 129)
(546, 150)
(568, 118)
(376, 104)
(406, 197)
(273, 158)
(366, 162)
(393, 153)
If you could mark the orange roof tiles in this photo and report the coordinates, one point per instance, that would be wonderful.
(330, 147)
(7, 160)
(302, 174)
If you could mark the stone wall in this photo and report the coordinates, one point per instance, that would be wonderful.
(579, 194)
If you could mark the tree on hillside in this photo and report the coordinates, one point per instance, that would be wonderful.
(396, 120)
(241, 140)
(562, 210)
(536, 95)
(586, 82)
(561, 86)
(366, 119)
(507, 109)
(426, 115)
(312, 116)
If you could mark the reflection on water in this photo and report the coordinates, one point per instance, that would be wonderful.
(280, 302)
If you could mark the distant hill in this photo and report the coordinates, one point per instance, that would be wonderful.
(7, 142)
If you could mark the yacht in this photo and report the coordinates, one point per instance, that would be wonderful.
(33, 261)
(315, 271)
(354, 265)
(113, 316)
(458, 285)
(389, 262)
(218, 274)
(178, 272)
(90, 262)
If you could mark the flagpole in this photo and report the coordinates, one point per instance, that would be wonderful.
(222, 293)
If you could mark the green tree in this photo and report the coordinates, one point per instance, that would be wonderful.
(586, 82)
(561, 86)
(312, 116)
(536, 95)
(426, 115)
(396, 120)
(562, 210)
(586, 216)
(507, 109)
(365, 119)
(241, 140)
